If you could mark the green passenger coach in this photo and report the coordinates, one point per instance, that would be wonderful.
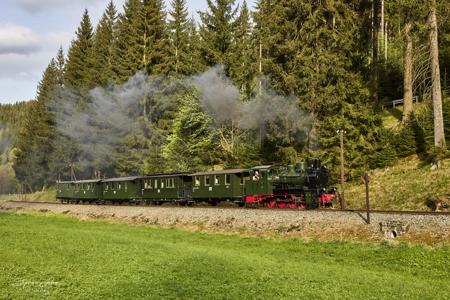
(166, 188)
(215, 186)
(79, 191)
(121, 189)
(64, 190)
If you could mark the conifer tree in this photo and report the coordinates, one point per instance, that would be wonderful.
(242, 63)
(128, 50)
(103, 47)
(60, 62)
(179, 38)
(153, 36)
(78, 72)
(261, 37)
(311, 54)
(190, 145)
(35, 138)
(195, 61)
(216, 32)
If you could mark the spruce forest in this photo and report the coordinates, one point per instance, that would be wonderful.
(151, 89)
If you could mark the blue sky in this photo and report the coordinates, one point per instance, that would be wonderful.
(31, 32)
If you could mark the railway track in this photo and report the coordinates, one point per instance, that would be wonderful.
(361, 211)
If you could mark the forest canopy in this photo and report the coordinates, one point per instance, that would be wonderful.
(149, 89)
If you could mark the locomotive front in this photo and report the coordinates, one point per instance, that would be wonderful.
(308, 186)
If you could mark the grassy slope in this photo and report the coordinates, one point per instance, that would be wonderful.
(59, 257)
(406, 185)
(42, 196)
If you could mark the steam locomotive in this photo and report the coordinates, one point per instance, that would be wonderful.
(292, 186)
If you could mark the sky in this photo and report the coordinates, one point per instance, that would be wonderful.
(31, 32)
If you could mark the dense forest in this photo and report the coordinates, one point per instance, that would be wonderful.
(149, 89)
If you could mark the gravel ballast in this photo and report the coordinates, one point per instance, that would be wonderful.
(322, 225)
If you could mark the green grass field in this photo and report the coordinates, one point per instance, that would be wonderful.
(49, 256)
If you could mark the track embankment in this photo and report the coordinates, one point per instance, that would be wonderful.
(314, 224)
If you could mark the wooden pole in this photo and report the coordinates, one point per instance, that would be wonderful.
(366, 180)
(341, 138)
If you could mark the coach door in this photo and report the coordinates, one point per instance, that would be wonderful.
(186, 184)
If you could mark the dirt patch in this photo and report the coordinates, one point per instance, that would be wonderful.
(322, 225)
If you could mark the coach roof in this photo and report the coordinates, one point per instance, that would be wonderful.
(232, 171)
(132, 178)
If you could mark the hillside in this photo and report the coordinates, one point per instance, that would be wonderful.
(406, 185)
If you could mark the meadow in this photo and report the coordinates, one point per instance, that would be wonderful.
(56, 256)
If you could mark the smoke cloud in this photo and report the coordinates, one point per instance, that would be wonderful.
(100, 123)
(221, 98)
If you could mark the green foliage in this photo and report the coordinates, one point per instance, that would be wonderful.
(386, 151)
(446, 115)
(103, 47)
(190, 144)
(180, 47)
(35, 138)
(216, 31)
(235, 147)
(153, 37)
(360, 138)
(116, 263)
(78, 70)
(405, 140)
(242, 66)
(8, 182)
(128, 51)
(318, 50)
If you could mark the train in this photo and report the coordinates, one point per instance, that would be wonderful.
(303, 185)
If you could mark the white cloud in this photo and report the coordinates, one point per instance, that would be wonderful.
(34, 6)
(18, 39)
(54, 40)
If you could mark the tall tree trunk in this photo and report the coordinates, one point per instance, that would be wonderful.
(439, 137)
(375, 30)
(407, 72)
(382, 29)
(260, 67)
(386, 45)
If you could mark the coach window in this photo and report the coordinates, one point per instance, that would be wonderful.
(216, 180)
(162, 183)
(227, 179)
(119, 186)
(206, 180)
(113, 185)
(197, 181)
(106, 186)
